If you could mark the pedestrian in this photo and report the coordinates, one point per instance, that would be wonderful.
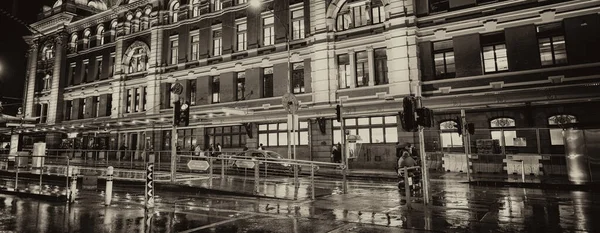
(7, 146)
(197, 150)
(123, 151)
(219, 149)
(337, 154)
(261, 147)
(404, 157)
(211, 150)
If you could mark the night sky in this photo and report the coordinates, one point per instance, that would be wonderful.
(13, 48)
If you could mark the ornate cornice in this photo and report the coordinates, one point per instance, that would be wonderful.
(53, 23)
(107, 16)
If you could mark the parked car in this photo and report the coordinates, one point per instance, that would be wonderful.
(274, 157)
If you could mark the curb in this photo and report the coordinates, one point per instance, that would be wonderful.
(548, 186)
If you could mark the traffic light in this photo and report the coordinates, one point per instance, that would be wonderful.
(471, 128)
(185, 114)
(407, 117)
(425, 117)
(338, 113)
(459, 125)
(176, 112)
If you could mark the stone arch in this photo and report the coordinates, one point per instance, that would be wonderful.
(131, 52)
(336, 5)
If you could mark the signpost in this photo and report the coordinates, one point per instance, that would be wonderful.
(199, 165)
(176, 90)
(149, 186)
(245, 164)
(291, 104)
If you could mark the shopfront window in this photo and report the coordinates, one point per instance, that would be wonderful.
(382, 129)
(275, 134)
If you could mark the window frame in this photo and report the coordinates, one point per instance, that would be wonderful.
(174, 48)
(448, 127)
(270, 27)
(347, 72)
(235, 132)
(354, 127)
(297, 23)
(99, 68)
(241, 85)
(215, 89)
(195, 46)
(267, 82)
(297, 77)
(241, 45)
(364, 69)
(380, 76)
(266, 130)
(511, 127)
(554, 126)
(445, 52)
(217, 41)
(551, 31)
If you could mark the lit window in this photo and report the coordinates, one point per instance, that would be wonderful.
(509, 135)
(378, 13)
(241, 85)
(216, 5)
(100, 33)
(128, 103)
(449, 135)
(381, 129)
(86, 38)
(193, 87)
(268, 30)
(275, 134)
(494, 53)
(228, 136)
(556, 135)
(551, 41)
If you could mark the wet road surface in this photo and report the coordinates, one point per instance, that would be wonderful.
(368, 207)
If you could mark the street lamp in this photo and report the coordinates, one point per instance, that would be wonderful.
(257, 4)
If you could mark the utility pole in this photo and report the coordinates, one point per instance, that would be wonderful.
(466, 141)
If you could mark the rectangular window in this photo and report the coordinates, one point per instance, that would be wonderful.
(174, 49)
(551, 41)
(241, 36)
(44, 118)
(509, 137)
(195, 47)
(360, 15)
(193, 92)
(298, 78)
(145, 99)
(86, 66)
(241, 85)
(268, 30)
(362, 69)
(451, 139)
(267, 82)
(344, 71)
(381, 129)
(275, 134)
(73, 72)
(378, 13)
(138, 95)
(112, 63)
(216, 89)
(109, 105)
(381, 68)
(69, 111)
(96, 106)
(229, 136)
(168, 94)
(443, 55)
(297, 24)
(216, 5)
(128, 103)
(438, 6)
(99, 68)
(494, 53)
(217, 40)
(82, 105)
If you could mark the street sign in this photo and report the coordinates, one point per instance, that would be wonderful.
(177, 88)
(245, 164)
(199, 165)
(290, 103)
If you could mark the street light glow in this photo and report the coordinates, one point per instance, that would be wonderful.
(255, 3)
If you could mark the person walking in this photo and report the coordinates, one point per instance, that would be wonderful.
(261, 147)
(337, 154)
(198, 150)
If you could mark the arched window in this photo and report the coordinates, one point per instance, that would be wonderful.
(48, 52)
(195, 8)
(138, 21)
(73, 43)
(136, 57)
(129, 24)
(504, 125)
(556, 137)
(86, 38)
(100, 34)
(354, 15)
(113, 30)
(449, 135)
(174, 11)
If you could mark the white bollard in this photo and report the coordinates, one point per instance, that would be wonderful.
(109, 185)
(73, 187)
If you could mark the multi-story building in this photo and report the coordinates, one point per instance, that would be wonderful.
(105, 70)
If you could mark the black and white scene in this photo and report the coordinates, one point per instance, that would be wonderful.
(299, 116)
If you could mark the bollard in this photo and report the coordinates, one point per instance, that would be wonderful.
(406, 187)
(210, 171)
(256, 177)
(109, 185)
(345, 181)
(222, 168)
(312, 181)
(523, 170)
(73, 191)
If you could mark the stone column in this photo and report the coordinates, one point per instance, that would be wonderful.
(352, 81)
(31, 73)
(56, 92)
(153, 78)
(371, 60)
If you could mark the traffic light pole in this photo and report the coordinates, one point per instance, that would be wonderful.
(423, 156)
(173, 152)
(343, 149)
(466, 141)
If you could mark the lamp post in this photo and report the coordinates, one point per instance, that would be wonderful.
(256, 4)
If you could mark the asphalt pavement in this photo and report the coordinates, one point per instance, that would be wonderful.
(369, 206)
